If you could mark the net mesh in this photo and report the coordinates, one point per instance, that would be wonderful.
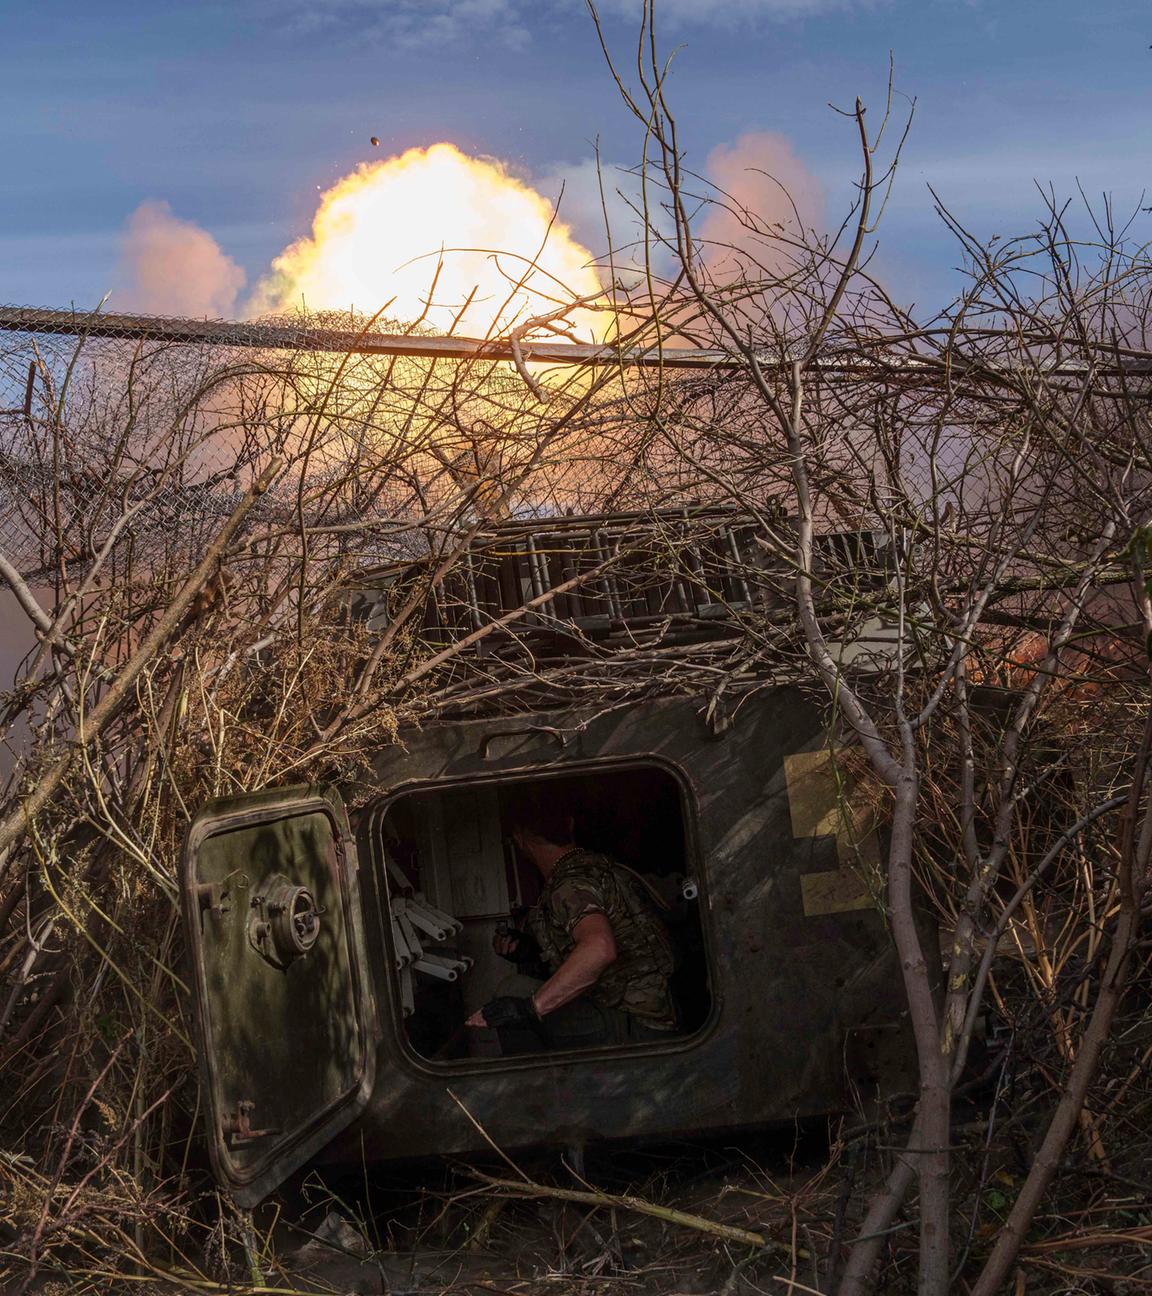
(147, 442)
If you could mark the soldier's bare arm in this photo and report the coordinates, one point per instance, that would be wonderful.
(593, 952)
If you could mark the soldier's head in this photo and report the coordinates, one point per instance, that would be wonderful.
(541, 824)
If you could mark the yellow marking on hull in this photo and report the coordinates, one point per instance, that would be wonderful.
(821, 805)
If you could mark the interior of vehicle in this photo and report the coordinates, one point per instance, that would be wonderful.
(455, 879)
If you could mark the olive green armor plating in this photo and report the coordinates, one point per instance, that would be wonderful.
(309, 1049)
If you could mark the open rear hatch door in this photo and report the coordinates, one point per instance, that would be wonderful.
(280, 976)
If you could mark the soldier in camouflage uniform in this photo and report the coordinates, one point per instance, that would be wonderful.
(584, 882)
(598, 938)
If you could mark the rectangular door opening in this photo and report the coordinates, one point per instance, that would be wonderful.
(455, 880)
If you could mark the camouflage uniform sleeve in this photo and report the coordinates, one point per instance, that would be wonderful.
(576, 898)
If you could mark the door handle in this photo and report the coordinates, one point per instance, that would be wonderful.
(485, 753)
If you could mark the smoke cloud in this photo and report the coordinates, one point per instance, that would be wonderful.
(170, 266)
(586, 194)
(759, 174)
(764, 197)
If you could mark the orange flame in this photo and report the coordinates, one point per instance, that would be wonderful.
(380, 232)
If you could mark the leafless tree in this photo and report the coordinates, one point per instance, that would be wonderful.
(999, 455)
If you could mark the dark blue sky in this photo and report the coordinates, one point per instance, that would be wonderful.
(235, 113)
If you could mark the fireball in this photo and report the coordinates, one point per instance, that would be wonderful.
(438, 237)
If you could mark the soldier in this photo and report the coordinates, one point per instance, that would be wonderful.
(596, 938)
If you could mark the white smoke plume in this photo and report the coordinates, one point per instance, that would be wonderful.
(170, 266)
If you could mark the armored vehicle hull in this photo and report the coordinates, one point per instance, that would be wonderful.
(324, 1033)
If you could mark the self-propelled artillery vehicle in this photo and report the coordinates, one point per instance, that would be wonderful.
(336, 956)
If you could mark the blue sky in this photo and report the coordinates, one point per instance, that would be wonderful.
(234, 114)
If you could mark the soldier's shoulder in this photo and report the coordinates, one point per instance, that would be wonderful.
(582, 866)
(583, 859)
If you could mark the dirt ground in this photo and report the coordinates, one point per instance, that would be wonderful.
(440, 1229)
